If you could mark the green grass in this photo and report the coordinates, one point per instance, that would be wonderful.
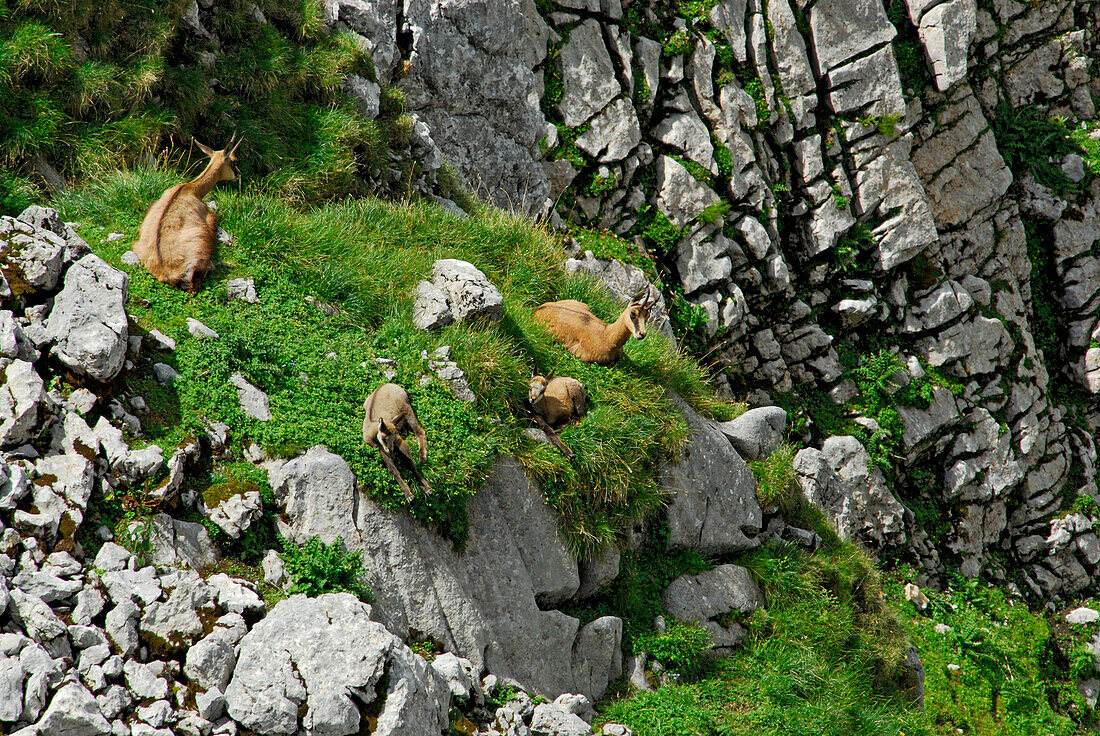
(1012, 679)
(139, 81)
(820, 659)
(365, 257)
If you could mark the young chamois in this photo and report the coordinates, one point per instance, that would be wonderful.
(590, 338)
(179, 233)
(556, 401)
(388, 414)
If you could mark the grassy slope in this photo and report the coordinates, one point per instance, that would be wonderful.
(366, 256)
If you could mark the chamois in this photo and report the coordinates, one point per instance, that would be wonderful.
(388, 414)
(590, 338)
(556, 401)
(179, 233)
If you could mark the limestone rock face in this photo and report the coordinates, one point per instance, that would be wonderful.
(756, 433)
(327, 655)
(713, 507)
(483, 604)
(471, 79)
(840, 480)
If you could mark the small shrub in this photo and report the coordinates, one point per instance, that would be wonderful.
(682, 647)
(601, 186)
(660, 231)
(319, 568)
(839, 198)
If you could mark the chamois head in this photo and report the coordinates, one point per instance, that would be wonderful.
(388, 436)
(537, 387)
(225, 160)
(637, 312)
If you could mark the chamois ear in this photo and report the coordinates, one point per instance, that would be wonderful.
(382, 427)
(551, 375)
(205, 149)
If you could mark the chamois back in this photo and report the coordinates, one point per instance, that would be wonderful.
(558, 399)
(178, 236)
(587, 336)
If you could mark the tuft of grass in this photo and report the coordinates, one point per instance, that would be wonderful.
(775, 477)
(140, 86)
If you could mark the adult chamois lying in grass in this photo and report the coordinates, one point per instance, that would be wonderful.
(590, 338)
(179, 233)
(556, 401)
(388, 414)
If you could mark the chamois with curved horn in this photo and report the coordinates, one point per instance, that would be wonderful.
(179, 233)
(587, 336)
(389, 413)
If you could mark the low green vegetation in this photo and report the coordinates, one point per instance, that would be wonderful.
(995, 668)
(606, 245)
(90, 86)
(775, 476)
(359, 261)
(823, 658)
(318, 568)
(1033, 142)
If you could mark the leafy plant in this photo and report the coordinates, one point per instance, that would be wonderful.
(319, 568)
(1031, 141)
(681, 647)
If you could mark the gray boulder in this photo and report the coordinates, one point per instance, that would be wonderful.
(468, 291)
(73, 712)
(597, 572)
(254, 402)
(31, 258)
(11, 689)
(430, 309)
(234, 515)
(175, 624)
(47, 218)
(242, 290)
(327, 655)
(556, 720)
(713, 507)
(714, 592)
(178, 543)
(757, 433)
(88, 322)
(840, 480)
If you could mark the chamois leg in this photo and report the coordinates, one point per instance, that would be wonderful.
(421, 437)
(390, 466)
(403, 448)
(553, 436)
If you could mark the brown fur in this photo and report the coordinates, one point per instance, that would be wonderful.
(387, 414)
(558, 399)
(178, 236)
(590, 338)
